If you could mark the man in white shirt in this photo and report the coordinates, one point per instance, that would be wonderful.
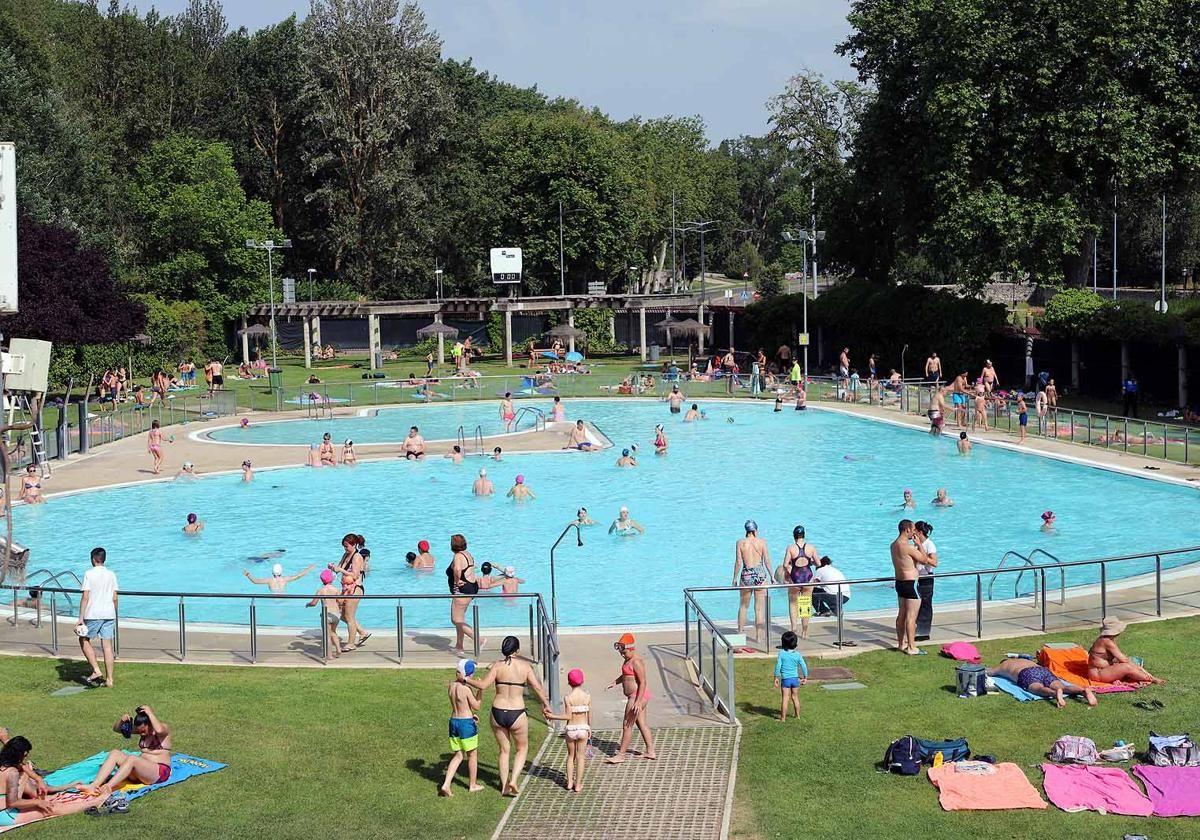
(825, 598)
(98, 617)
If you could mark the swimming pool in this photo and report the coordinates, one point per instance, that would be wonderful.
(838, 475)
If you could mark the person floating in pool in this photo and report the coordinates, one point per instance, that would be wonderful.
(964, 444)
(941, 499)
(1049, 522)
(423, 559)
(483, 485)
(194, 524)
(277, 582)
(455, 455)
(328, 459)
(660, 440)
(623, 525)
(582, 518)
(693, 413)
(187, 472)
(414, 445)
(578, 438)
(626, 460)
(909, 502)
(247, 471)
(520, 492)
(348, 456)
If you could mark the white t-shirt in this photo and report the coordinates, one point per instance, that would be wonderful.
(828, 575)
(929, 548)
(100, 584)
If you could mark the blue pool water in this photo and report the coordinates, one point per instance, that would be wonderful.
(840, 476)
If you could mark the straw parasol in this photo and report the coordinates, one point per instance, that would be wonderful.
(437, 328)
(255, 331)
(566, 331)
(688, 327)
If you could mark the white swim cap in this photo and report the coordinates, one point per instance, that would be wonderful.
(277, 570)
(187, 465)
(510, 571)
(482, 473)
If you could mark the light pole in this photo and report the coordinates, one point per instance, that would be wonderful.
(311, 272)
(437, 277)
(562, 269)
(804, 237)
(269, 245)
(1162, 294)
(1114, 245)
(553, 592)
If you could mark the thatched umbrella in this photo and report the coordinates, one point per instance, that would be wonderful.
(441, 331)
(565, 331)
(255, 331)
(688, 327)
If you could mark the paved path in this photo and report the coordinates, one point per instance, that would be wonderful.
(684, 794)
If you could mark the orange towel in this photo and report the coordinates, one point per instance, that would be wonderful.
(1071, 664)
(1006, 788)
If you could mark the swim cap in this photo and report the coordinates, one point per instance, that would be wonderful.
(907, 490)
(575, 678)
(520, 479)
(798, 532)
(187, 464)
(751, 526)
(486, 568)
(625, 453)
(510, 571)
(1047, 515)
(466, 667)
(349, 442)
(277, 570)
(410, 557)
(423, 546)
(191, 517)
(326, 576)
(482, 473)
(245, 463)
(626, 641)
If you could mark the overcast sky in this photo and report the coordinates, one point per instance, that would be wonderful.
(721, 59)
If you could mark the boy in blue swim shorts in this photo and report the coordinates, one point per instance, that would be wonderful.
(789, 666)
(464, 730)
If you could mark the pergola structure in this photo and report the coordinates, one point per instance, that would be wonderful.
(312, 312)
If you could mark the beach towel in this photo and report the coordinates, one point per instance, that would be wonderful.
(964, 790)
(182, 767)
(1108, 790)
(1070, 664)
(1011, 688)
(1174, 791)
(962, 652)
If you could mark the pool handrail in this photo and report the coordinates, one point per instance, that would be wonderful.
(721, 695)
(1027, 564)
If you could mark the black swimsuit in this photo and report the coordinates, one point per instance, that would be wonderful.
(462, 586)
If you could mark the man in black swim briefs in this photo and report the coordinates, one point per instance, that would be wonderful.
(906, 554)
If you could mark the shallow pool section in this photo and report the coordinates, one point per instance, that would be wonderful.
(841, 477)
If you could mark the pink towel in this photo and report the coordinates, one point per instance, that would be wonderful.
(1005, 788)
(1175, 791)
(1076, 787)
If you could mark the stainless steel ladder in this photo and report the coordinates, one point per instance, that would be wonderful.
(37, 441)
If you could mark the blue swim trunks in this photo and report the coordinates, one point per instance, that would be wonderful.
(1035, 674)
(464, 734)
(790, 682)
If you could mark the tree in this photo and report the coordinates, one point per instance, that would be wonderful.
(377, 107)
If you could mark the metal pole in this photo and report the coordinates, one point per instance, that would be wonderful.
(271, 289)
(1043, 587)
(713, 639)
(978, 607)
(703, 293)
(475, 628)
(839, 614)
(324, 632)
(562, 271)
(1103, 591)
(813, 206)
(729, 709)
(687, 626)
(674, 273)
(182, 631)
(768, 623)
(533, 647)
(253, 631)
(806, 338)
(1158, 585)
(699, 647)
(399, 631)
(1114, 244)
(53, 620)
(1163, 286)
(116, 633)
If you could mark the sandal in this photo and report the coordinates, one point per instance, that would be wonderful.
(363, 640)
(1150, 705)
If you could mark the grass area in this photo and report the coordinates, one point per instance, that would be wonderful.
(816, 776)
(311, 752)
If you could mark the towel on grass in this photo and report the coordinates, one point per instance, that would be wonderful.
(1009, 687)
(1004, 789)
(182, 767)
(1071, 664)
(1108, 790)
(1174, 791)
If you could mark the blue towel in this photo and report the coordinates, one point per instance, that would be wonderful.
(1009, 687)
(182, 767)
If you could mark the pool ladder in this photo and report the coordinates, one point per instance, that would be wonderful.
(1027, 565)
(52, 579)
(539, 418)
(321, 409)
(476, 440)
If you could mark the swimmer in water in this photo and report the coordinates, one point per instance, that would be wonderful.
(1048, 522)
(423, 560)
(778, 404)
(496, 454)
(187, 473)
(625, 526)
(693, 413)
(247, 472)
(194, 525)
(455, 454)
(660, 440)
(964, 445)
(278, 582)
(675, 399)
(314, 457)
(519, 492)
(558, 413)
(626, 460)
(582, 518)
(941, 499)
(483, 485)
(909, 502)
(348, 456)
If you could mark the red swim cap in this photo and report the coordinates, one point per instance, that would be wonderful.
(423, 546)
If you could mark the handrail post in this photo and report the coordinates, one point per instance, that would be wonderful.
(730, 709)
(53, 620)
(1158, 585)
(699, 648)
(767, 647)
(182, 631)
(533, 647)
(324, 632)
(1043, 588)
(839, 615)
(1103, 591)
(713, 639)
(475, 629)
(399, 631)
(116, 631)
(978, 607)
(253, 631)
(687, 625)
(15, 599)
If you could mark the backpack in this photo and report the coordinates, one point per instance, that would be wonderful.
(903, 756)
(953, 749)
(971, 680)
(1173, 751)
(1074, 749)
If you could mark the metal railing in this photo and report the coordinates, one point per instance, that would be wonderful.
(543, 637)
(718, 683)
(539, 418)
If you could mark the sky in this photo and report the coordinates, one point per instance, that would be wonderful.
(719, 59)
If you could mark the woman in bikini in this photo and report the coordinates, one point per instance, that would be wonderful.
(326, 451)
(632, 680)
(510, 724)
(23, 788)
(154, 445)
(660, 440)
(151, 765)
(1108, 664)
(460, 576)
(507, 414)
(31, 487)
(348, 456)
(353, 569)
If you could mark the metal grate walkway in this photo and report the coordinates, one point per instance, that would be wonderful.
(684, 794)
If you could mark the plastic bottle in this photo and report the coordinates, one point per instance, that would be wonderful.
(938, 759)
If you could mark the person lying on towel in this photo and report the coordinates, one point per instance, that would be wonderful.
(1040, 681)
(1106, 662)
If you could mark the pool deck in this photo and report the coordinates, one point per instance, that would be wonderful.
(671, 677)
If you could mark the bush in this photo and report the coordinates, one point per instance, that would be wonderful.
(1070, 312)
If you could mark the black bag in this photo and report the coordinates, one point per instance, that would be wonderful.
(903, 756)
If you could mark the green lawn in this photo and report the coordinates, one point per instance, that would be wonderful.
(311, 752)
(816, 777)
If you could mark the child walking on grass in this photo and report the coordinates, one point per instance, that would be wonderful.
(577, 708)
(464, 730)
(791, 672)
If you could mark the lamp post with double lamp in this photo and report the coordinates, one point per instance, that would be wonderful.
(269, 245)
(804, 237)
(311, 272)
(553, 591)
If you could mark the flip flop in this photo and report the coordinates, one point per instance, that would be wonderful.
(94, 682)
(363, 640)
(1149, 705)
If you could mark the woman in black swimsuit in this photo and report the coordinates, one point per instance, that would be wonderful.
(353, 569)
(510, 724)
(460, 576)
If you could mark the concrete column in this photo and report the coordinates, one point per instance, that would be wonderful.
(316, 330)
(373, 340)
(731, 344)
(508, 337)
(571, 322)
(1124, 361)
(437, 319)
(700, 336)
(1183, 375)
(642, 330)
(245, 345)
(1075, 364)
(612, 326)
(307, 342)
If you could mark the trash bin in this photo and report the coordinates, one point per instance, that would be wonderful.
(275, 378)
(654, 351)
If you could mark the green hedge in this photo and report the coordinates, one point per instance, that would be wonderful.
(1081, 313)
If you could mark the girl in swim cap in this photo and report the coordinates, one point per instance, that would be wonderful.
(577, 712)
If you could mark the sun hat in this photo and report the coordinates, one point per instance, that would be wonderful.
(575, 678)
(1112, 627)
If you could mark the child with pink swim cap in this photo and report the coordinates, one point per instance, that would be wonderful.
(333, 615)
(577, 708)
